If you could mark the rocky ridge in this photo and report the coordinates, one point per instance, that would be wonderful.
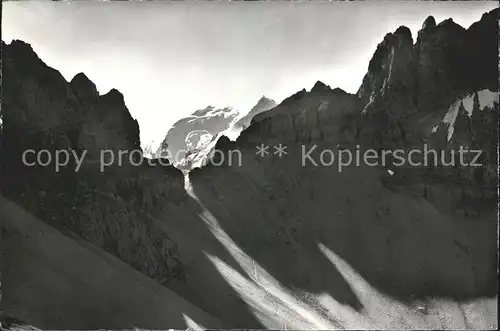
(393, 109)
(43, 111)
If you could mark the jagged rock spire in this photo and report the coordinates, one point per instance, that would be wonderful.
(429, 22)
(84, 88)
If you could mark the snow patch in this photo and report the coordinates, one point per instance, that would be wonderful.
(200, 154)
(225, 112)
(192, 325)
(451, 116)
(204, 138)
(388, 78)
(372, 98)
(232, 132)
(486, 98)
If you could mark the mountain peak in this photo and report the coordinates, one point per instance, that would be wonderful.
(451, 24)
(84, 88)
(24, 51)
(430, 21)
(338, 90)
(80, 77)
(20, 43)
(113, 98)
(265, 99)
(264, 102)
(320, 87)
(404, 31)
(115, 94)
(447, 21)
(263, 105)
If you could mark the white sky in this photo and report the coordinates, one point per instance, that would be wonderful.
(172, 58)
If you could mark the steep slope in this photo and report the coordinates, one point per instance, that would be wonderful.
(58, 281)
(264, 104)
(43, 111)
(438, 70)
(397, 240)
(136, 209)
(411, 232)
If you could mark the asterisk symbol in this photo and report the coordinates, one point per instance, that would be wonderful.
(262, 150)
(280, 150)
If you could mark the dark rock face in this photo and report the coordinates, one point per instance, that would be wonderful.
(429, 22)
(390, 69)
(306, 115)
(441, 58)
(483, 52)
(445, 62)
(320, 87)
(407, 91)
(84, 89)
(43, 111)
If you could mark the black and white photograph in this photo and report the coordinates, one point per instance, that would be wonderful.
(250, 165)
